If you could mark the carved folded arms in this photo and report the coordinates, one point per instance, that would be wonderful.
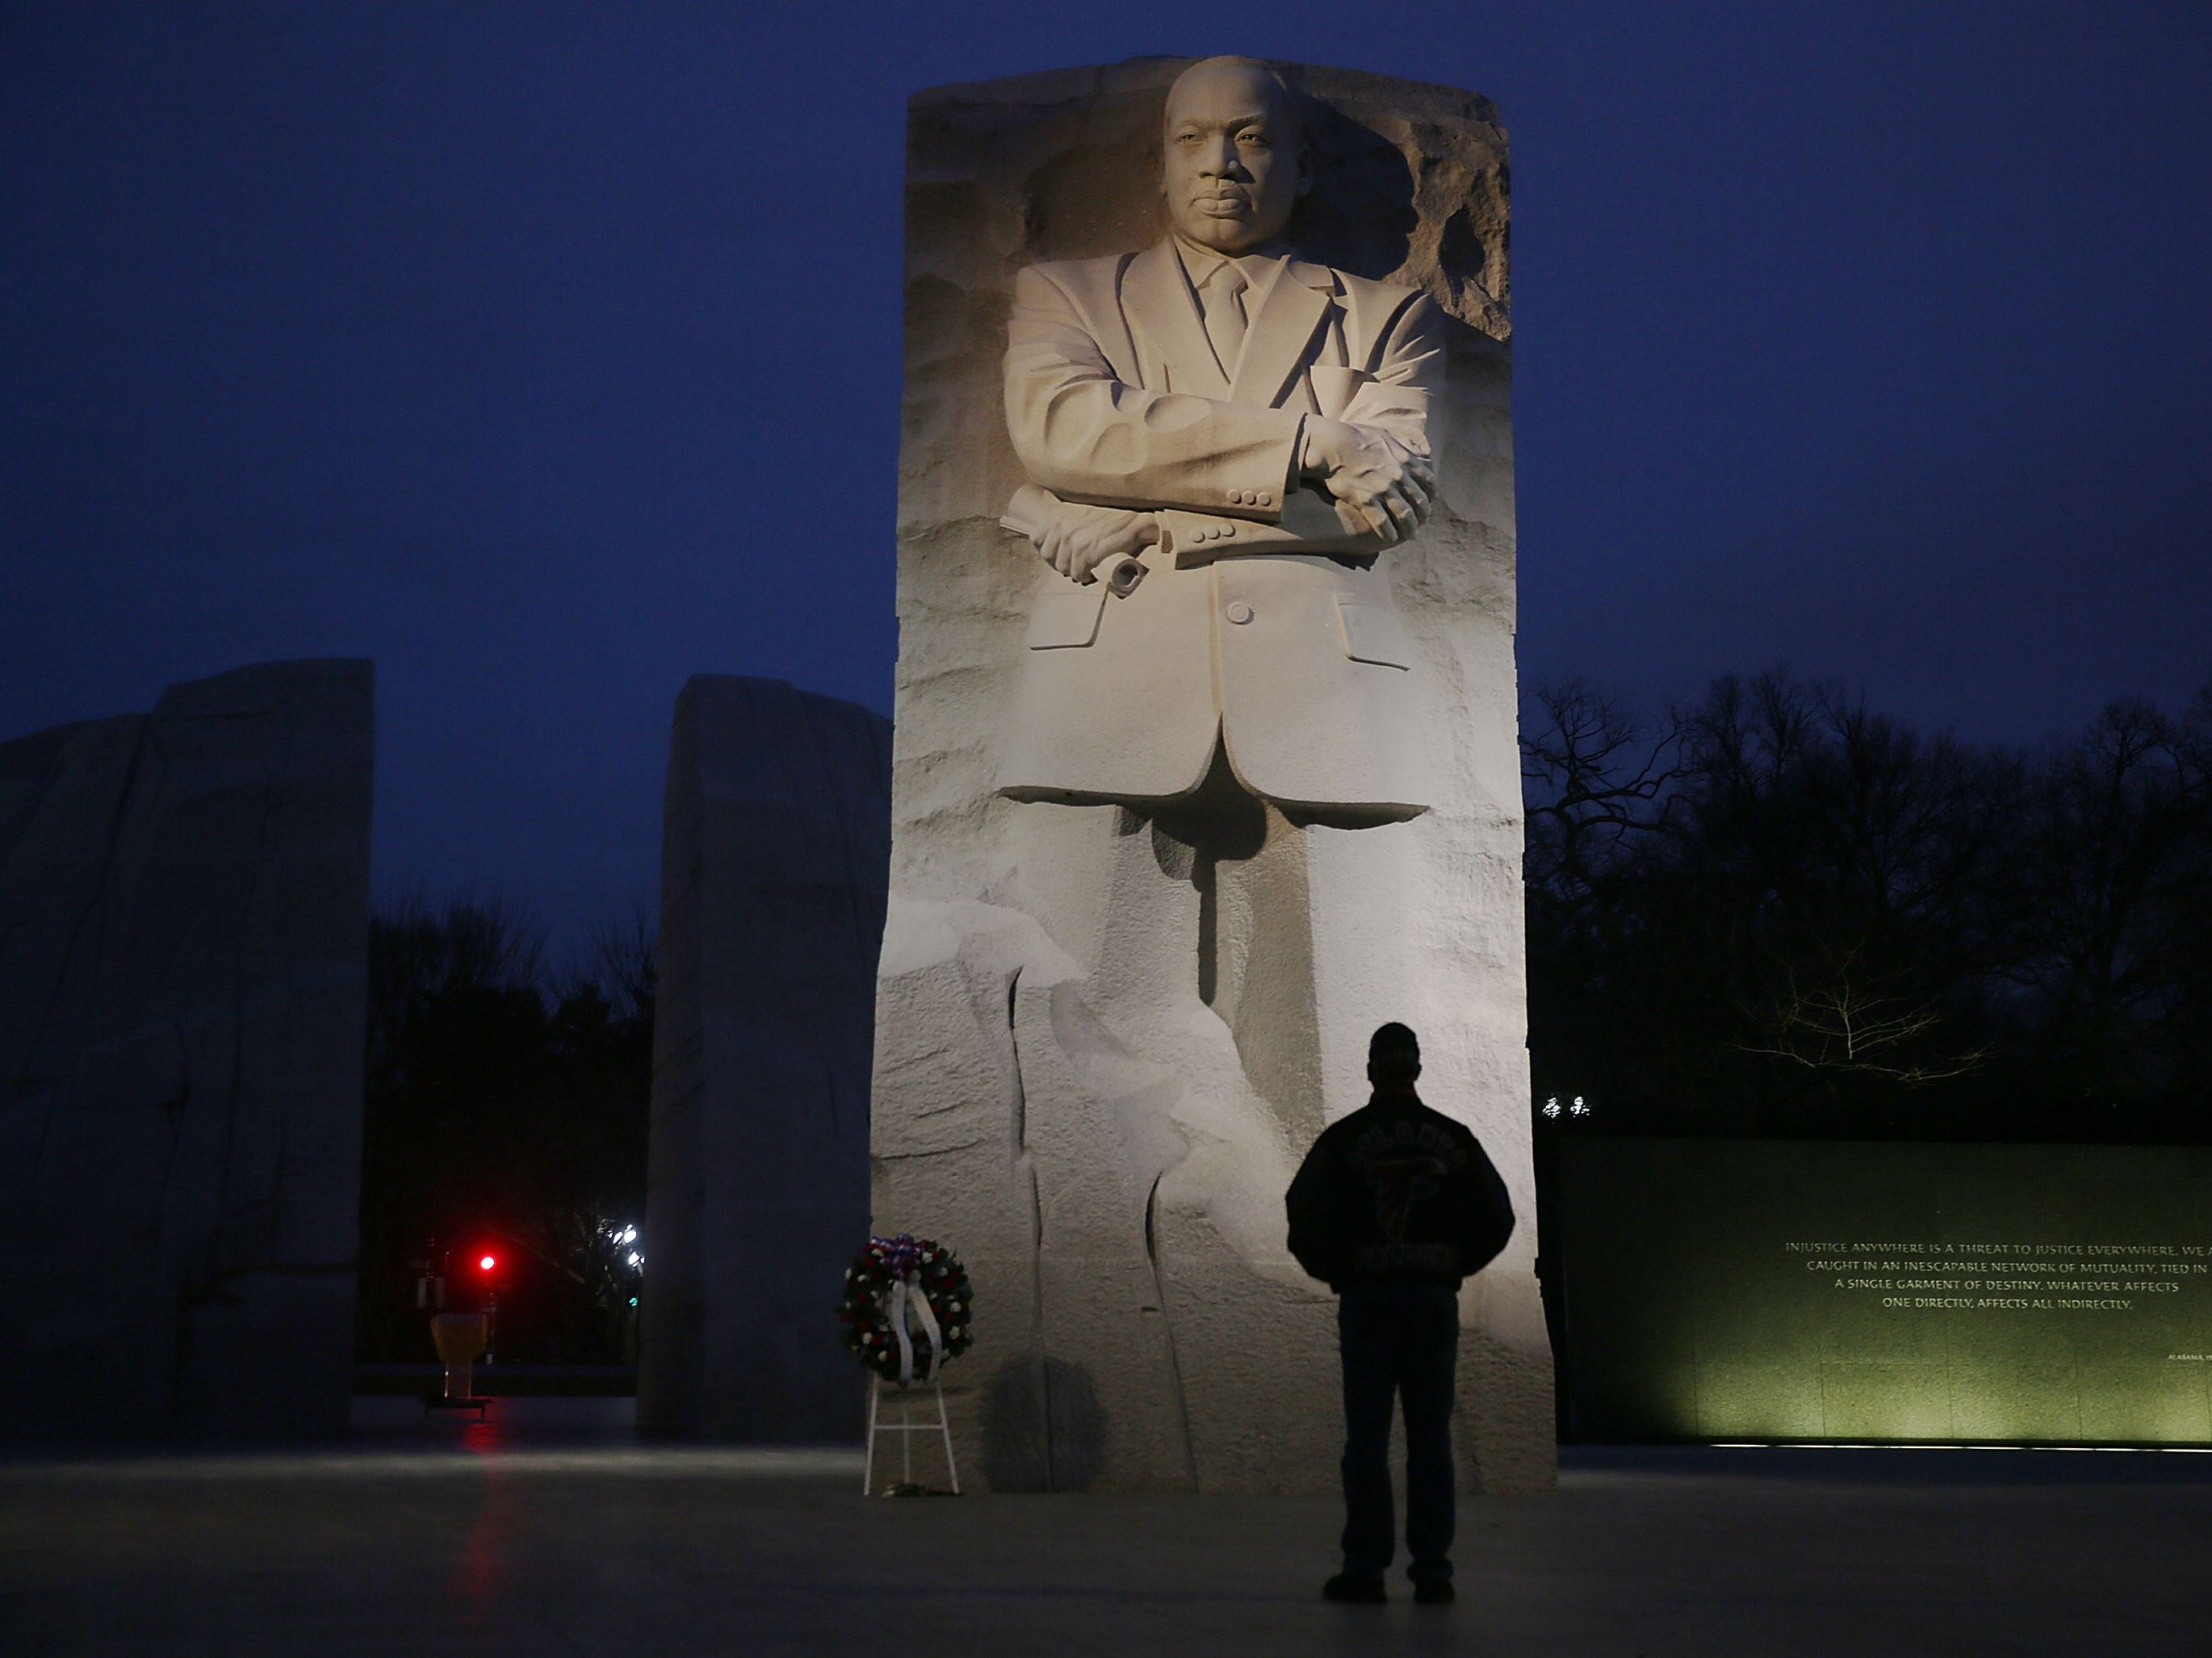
(1116, 467)
(1087, 435)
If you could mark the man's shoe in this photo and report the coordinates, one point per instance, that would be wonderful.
(1434, 1592)
(1363, 1591)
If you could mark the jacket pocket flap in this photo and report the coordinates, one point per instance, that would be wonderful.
(1063, 615)
(1373, 633)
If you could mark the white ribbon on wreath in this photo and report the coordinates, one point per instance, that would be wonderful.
(907, 1295)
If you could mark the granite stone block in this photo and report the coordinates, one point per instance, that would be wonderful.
(184, 936)
(775, 855)
(1119, 999)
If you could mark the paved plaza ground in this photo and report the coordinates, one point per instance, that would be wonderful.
(552, 1530)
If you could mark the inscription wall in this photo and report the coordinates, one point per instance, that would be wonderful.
(1871, 1292)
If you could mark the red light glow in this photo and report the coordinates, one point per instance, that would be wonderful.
(488, 1263)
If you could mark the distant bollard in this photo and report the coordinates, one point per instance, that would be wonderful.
(461, 1337)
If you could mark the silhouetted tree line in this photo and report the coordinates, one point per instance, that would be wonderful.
(1780, 913)
(506, 1111)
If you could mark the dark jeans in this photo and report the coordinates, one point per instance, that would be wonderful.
(1401, 1337)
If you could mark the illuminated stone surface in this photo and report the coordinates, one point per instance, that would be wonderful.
(183, 934)
(776, 844)
(1111, 1022)
(1872, 1292)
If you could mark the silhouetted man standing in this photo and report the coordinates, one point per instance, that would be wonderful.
(1395, 1205)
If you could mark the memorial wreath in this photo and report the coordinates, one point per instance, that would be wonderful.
(906, 1308)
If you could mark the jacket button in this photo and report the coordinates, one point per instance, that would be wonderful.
(1228, 529)
(1265, 499)
(1239, 612)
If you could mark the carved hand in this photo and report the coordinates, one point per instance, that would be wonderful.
(1381, 486)
(1080, 538)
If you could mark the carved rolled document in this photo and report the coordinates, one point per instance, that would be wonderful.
(1166, 850)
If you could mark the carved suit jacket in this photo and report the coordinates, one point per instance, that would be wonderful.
(1260, 620)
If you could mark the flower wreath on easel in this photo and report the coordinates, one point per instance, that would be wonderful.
(906, 1308)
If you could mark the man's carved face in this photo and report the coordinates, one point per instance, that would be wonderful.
(1236, 165)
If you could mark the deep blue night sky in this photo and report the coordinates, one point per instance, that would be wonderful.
(549, 354)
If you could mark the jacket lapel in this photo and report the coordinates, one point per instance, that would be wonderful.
(1275, 344)
(1159, 301)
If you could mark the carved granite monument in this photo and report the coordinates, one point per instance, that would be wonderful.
(1273, 437)
(776, 845)
(183, 971)
(1204, 759)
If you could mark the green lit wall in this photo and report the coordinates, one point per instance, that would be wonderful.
(1771, 1289)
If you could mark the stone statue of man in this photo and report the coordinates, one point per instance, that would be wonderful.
(1186, 802)
(1234, 436)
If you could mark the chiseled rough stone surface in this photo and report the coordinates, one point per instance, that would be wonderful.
(183, 938)
(1103, 1130)
(775, 850)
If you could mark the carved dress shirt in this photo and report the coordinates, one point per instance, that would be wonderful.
(1230, 293)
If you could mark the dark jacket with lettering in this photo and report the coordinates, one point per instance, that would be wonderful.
(1397, 1190)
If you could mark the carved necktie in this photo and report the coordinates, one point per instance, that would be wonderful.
(1223, 296)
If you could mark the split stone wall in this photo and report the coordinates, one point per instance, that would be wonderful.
(774, 856)
(183, 938)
